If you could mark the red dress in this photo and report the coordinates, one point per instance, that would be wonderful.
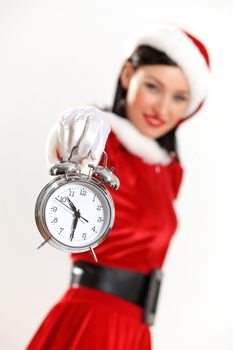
(88, 319)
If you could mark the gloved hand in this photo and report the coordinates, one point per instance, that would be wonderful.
(85, 127)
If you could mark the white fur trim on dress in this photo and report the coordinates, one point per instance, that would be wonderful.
(180, 48)
(136, 143)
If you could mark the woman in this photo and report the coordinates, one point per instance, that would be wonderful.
(162, 83)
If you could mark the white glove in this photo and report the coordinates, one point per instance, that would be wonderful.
(85, 127)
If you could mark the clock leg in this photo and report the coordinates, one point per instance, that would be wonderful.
(93, 254)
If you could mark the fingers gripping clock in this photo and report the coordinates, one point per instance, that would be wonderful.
(75, 212)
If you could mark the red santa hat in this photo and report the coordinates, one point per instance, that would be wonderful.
(184, 49)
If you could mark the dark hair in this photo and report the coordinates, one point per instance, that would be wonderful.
(145, 55)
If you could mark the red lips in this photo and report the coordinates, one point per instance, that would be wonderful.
(153, 120)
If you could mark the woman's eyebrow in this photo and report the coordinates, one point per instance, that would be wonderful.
(185, 92)
(155, 79)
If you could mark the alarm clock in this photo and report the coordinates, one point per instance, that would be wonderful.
(75, 211)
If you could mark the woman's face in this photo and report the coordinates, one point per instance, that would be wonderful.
(157, 97)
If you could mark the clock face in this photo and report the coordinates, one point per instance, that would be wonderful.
(77, 214)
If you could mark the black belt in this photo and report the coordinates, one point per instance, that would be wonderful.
(132, 286)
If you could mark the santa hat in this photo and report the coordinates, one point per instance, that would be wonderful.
(185, 50)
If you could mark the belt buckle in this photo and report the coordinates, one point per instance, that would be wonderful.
(152, 296)
(76, 276)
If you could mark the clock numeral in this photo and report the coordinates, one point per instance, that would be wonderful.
(61, 229)
(100, 219)
(93, 200)
(54, 221)
(94, 229)
(71, 193)
(84, 236)
(54, 209)
(63, 199)
(83, 192)
(99, 207)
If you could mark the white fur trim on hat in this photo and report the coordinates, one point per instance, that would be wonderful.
(136, 143)
(176, 44)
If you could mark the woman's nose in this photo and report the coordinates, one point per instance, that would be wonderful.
(162, 107)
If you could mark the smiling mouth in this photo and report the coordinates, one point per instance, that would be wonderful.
(153, 120)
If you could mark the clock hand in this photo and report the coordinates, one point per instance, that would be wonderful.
(71, 204)
(74, 208)
(74, 224)
(81, 217)
(64, 204)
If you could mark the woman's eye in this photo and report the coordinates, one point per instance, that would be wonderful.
(180, 98)
(151, 86)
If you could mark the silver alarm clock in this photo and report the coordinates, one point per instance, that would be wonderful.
(75, 212)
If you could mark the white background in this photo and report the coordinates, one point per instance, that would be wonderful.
(64, 53)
